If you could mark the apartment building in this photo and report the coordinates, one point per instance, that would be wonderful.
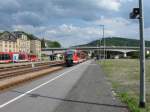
(20, 42)
(8, 43)
(36, 47)
(23, 43)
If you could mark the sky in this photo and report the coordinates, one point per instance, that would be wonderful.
(72, 22)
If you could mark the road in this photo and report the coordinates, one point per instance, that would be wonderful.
(81, 88)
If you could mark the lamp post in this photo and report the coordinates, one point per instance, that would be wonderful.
(142, 57)
(99, 48)
(137, 13)
(103, 26)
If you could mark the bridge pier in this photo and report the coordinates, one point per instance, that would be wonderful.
(90, 54)
(124, 54)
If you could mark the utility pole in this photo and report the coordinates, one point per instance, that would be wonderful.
(137, 13)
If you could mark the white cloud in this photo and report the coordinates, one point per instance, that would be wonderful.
(120, 26)
(71, 21)
(67, 34)
(109, 4)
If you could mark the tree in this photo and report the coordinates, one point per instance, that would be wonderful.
(53, 44)
(56, 44)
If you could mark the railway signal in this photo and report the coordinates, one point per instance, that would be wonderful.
(137, 13)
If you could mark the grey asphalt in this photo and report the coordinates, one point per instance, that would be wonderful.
(82, 88)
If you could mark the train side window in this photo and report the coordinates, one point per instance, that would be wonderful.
(6, 57)
(20, 56)
(3, 57)
(0, 56)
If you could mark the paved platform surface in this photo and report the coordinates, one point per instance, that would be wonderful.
(82, 88)
(92, 93)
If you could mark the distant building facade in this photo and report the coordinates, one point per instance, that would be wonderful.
(8, 43)
(35, 45)
(23, 43)
(19, 42)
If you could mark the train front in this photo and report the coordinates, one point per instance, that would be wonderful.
(69, 58)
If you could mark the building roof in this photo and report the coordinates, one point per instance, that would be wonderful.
(30, 36)
(7, 36)
(18, 33)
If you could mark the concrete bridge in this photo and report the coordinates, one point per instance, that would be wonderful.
(113, 49)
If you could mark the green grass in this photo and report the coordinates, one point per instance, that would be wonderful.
(124, 76)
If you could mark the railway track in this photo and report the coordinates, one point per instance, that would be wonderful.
(10, 72)
(7, 68)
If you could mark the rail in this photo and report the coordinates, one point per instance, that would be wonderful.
(9, 72)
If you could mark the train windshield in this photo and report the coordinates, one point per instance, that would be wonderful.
(5, 57)
(69, 56)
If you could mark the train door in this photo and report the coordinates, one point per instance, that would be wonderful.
(15, 57)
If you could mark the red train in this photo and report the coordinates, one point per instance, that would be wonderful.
(5, 57)
(9, 57)
(74, 57)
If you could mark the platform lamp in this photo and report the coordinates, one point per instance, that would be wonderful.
(137, 13)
